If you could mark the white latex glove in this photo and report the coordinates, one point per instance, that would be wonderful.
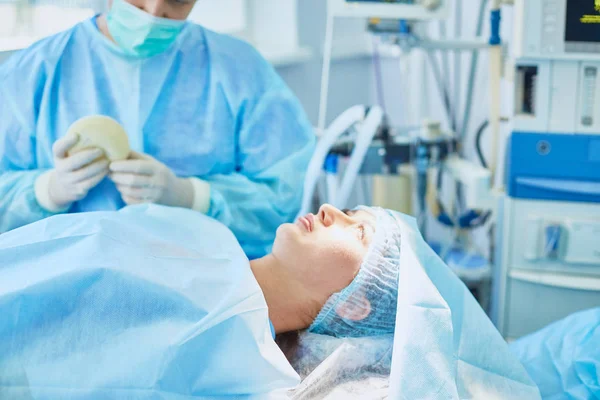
(72, 177)
(143, 179)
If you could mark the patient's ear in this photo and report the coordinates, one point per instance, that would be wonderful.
(355, 312)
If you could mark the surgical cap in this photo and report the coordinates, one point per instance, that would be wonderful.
(376, 281)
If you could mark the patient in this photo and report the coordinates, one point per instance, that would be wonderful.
(155, 302)
(335, 272)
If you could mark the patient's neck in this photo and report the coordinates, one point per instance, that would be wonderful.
(291, 305)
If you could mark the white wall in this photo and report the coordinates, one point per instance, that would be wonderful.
(351, 79)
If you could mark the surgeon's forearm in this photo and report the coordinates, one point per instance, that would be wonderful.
(255, 203)
(253, 210)
(18, 203)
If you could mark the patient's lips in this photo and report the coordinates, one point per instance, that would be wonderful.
(307, 222)
(311, 221)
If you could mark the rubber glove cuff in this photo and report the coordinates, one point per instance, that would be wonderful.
(42, 194)
(201, 201)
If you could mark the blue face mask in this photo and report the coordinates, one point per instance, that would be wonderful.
(139, 33)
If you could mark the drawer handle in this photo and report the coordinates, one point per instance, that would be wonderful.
(558, 280)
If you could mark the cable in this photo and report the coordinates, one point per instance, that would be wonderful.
(471, 219)
(378, 73)
(470, 88)
(478, 136)
(435, 69)
(457, 65)
(325, 73)
(445, 62)
(473, 71)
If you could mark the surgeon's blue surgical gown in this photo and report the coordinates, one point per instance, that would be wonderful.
(149, 302)
(209, 107)
(563, 358)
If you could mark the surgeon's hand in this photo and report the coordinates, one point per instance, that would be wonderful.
(143, 179)
(72, 177)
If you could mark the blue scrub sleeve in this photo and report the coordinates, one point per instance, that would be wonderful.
(276, 142)
(18, 204)
(18, 169)
(272, 329)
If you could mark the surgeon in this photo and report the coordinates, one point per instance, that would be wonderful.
(212, 127)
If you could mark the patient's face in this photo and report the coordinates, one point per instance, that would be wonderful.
(326, 250)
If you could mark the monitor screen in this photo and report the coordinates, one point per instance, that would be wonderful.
(583, 21)
(382, 1)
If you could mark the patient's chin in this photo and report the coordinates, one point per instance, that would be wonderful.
(285, 232)
(288, 241)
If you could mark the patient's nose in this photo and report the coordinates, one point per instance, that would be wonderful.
(330, 215)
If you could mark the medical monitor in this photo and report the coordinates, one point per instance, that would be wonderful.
(392, 9)
(582, 26)
(567, 29)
